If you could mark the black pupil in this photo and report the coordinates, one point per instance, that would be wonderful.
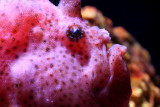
(74, 33)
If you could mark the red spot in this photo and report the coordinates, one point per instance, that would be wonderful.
(15, 37)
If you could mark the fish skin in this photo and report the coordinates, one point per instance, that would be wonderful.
(41, 66)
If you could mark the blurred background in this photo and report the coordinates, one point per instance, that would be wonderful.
(139, 17)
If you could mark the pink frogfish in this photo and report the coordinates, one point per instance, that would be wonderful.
(51, 57)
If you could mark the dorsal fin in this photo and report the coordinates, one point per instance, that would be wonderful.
(71, 8)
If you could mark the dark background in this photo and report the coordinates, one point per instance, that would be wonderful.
(139, 17)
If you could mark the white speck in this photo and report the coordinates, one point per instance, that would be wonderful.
(47, 100)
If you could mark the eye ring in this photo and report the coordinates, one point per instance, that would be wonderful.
(75, 33)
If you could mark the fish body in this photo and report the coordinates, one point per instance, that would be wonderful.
(51, 57)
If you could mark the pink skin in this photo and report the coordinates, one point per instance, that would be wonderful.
(41, 66)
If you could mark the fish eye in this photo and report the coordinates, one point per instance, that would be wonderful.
(74, 33)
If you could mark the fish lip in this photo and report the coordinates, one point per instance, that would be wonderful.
(105, 90)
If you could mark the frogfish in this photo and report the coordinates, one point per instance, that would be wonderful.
(51, 57)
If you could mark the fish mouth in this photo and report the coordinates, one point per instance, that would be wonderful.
(117, 87)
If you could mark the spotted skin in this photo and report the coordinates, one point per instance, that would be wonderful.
(51, 57)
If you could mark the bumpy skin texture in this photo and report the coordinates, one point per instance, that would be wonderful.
(40, 66)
